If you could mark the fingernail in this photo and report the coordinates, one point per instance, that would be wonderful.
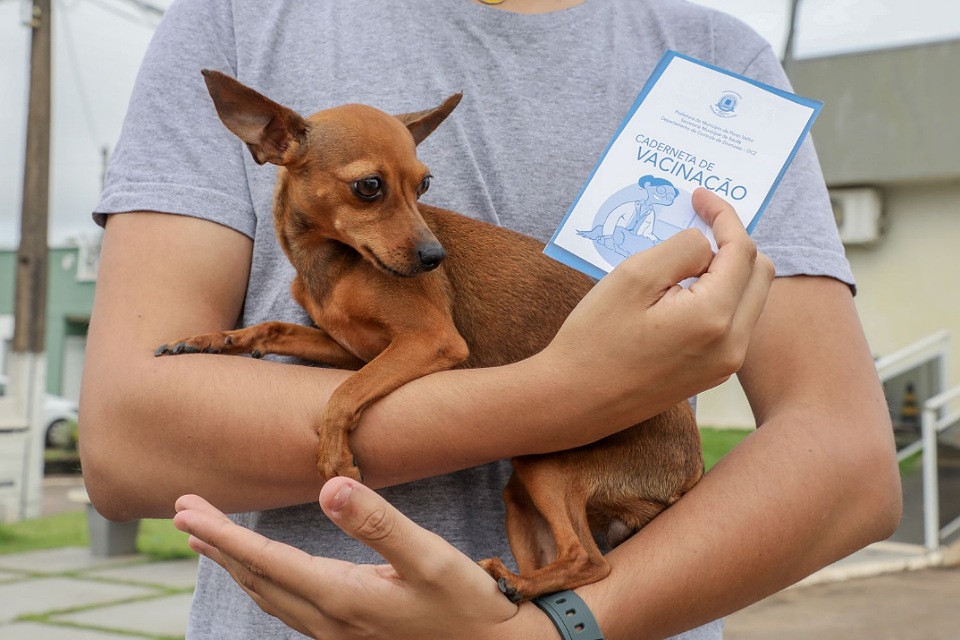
(341, 497)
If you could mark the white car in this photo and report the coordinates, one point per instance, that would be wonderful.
(59, 422)
(59, 419)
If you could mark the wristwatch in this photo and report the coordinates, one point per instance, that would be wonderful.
(570, 615)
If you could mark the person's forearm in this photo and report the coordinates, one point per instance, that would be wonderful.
(461, 418)
(241, 431)
(789, 500)
(231, 427)
(816, 481)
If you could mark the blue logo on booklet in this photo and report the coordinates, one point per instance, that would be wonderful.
(726, 106)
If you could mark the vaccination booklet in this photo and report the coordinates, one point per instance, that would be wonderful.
(693, 125)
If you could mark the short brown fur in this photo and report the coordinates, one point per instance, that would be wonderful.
(398, 289)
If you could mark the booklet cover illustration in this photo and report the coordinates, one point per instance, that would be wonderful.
(693, 125)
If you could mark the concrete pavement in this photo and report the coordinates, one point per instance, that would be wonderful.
(67, 594)
(886, 592)
(913, 605)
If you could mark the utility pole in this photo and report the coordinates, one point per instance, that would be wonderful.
(22, 408)
(31, 296)
(791, 33)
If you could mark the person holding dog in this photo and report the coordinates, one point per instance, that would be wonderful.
(189, 248)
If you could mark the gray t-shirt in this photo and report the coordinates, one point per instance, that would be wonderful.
(542, 96)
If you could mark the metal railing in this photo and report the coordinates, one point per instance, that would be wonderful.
(931, 350)
(933, 421)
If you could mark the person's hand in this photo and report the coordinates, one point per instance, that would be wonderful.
(637, 334)
(429, 589)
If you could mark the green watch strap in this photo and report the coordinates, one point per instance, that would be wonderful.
(570, 615)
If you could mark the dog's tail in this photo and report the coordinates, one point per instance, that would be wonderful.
(593, 234)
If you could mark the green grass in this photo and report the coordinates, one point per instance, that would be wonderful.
(161, 540)
(158, 539)
(61, 530)
(911, 464)
(718, 443)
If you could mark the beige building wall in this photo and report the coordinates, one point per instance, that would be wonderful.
(724, 406)
(908, 286)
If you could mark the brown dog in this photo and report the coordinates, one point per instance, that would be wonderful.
(399, 290)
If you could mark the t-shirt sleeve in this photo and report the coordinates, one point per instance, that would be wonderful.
(174, 155)
(798, 231)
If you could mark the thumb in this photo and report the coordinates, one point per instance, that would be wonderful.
(686, 254)
(367, 517)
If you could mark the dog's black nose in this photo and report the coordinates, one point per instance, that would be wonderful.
(431, 255)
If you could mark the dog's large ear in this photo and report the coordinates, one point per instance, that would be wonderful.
(422, 123)
(273, 133)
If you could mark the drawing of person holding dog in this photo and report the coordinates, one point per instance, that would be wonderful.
(227, 444)
(655, 194)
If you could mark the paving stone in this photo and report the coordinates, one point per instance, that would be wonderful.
(165, 616)
(41, 595)
(174, 574)
(9, 576)
(36, 631)
(51, 561)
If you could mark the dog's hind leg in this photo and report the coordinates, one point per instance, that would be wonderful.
(560, 499)
(531, 540)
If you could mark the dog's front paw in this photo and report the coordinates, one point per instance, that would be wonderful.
(333, 466)
(504, 577)
(176, 348)
(225, 342)
(334, 455)
(218, 342)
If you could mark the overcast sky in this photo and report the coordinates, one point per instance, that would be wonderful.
(98, 45)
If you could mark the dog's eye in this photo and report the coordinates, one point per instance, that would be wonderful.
(424, 185)
(368, 188)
